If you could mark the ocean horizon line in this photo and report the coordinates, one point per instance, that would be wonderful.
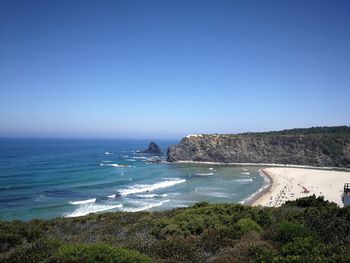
(88, 138)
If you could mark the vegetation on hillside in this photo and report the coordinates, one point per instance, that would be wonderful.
(306, 230)
(323, 130)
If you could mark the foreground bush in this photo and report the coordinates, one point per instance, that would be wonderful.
(306, 230)
(91, 253)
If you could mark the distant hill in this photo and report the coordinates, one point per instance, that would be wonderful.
(316, 146)
(313, 130)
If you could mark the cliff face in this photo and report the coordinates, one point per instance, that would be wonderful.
(312, 149)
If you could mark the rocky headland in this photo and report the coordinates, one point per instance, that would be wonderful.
(319, 146)
(153, 148)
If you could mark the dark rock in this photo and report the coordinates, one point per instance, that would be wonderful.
(153, 148)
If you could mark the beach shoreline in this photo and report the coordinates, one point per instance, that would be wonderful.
(266, 165)
(265, 189)
(286, 182)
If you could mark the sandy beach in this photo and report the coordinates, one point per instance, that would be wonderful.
(292, 183)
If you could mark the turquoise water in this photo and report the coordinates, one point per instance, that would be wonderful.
(47, 178)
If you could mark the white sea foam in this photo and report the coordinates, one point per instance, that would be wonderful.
(108, 153)
(91, 208)
(142, 188)
(139, 157)
(106, 161)
(245, 169)
(152, 195)
(218, 194)
(245, 173)
(211, 168)
(112, 196)
(115, 165)
(265, 186)
(130, 160)
(245, 180)
(93, 200)
(149, 206)
(204, 174)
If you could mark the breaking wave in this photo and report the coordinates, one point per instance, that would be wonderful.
(142, 188)
(93, 200)
(203, 174)
(247, 180)
(115, 165)
(149, 206)
(92, 208)
(152, 195)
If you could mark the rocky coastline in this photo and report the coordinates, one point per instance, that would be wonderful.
(311, 149)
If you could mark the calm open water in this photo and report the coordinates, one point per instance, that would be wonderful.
(47, 178)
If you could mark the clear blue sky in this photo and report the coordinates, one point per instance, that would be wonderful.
(163, 69)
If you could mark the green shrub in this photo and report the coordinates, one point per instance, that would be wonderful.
(249, 248)
(194, 220)
(310, 201)
(38, 251)
(16, 232)
(303, 249)
(303, 246)
(214, 239)
(332, 224)
(91, 253)
(9, 240)
(247, 225)
(286, 231)
(306, 230)
(177, 249)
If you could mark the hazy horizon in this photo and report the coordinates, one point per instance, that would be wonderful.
(163, 70)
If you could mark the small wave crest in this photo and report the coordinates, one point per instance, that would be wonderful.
(246, 180)
(267, 183)
(93, 200)
(152, 195)
(142, 188)
(115, 165)
(203, 174)
(140, 157)
(245, 173)
(149, 206)
(219, 194)
(91, 208)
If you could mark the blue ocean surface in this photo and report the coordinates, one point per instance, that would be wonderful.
(48, 178)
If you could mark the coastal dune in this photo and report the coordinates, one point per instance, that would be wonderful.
(291, 183)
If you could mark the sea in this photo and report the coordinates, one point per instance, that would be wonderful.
(50, 178)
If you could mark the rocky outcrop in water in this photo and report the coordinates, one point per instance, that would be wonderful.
(280, 148)
(153, 148)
